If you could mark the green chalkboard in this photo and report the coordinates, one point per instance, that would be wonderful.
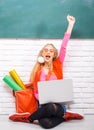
(45, 18)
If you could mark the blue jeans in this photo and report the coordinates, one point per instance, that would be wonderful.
(64, 107)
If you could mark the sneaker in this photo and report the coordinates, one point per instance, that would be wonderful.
(72, 116)
(20, 117)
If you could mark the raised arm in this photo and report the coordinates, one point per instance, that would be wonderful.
(62, 53)
(71, 21)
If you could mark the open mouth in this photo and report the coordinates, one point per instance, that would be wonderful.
(47, 57)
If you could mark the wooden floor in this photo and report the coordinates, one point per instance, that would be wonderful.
(86, 124)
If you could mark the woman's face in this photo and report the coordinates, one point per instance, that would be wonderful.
(48, 53)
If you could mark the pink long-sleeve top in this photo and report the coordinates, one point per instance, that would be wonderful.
(62, 54)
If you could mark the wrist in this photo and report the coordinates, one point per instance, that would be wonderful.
(71, 24)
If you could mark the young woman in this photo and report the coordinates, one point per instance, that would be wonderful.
(49, 67)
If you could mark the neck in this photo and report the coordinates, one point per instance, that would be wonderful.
(48, 65)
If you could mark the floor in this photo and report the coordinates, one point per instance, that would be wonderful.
(86, 124)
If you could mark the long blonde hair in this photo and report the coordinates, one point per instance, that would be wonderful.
(37, 64)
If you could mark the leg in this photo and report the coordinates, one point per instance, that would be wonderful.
(48, 110)
(50, 122)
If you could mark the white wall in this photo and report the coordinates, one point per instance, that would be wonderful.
(20, 54)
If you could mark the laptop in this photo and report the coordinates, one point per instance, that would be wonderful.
(59, 91)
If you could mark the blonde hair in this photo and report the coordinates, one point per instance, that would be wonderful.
(37, 64)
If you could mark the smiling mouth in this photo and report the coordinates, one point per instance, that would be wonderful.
(47, 57)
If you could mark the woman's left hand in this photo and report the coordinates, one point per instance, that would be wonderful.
(71, 19)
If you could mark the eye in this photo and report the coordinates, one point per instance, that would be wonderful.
(51, 50)
(45, 49)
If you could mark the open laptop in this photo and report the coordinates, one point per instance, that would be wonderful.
(55, 91)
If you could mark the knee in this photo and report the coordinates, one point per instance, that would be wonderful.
(59, 110)
(50, 107)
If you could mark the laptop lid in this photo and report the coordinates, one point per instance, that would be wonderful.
(55, 91)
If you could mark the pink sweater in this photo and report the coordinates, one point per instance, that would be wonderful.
(62, 54)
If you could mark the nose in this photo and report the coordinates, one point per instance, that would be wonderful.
(47, 50)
